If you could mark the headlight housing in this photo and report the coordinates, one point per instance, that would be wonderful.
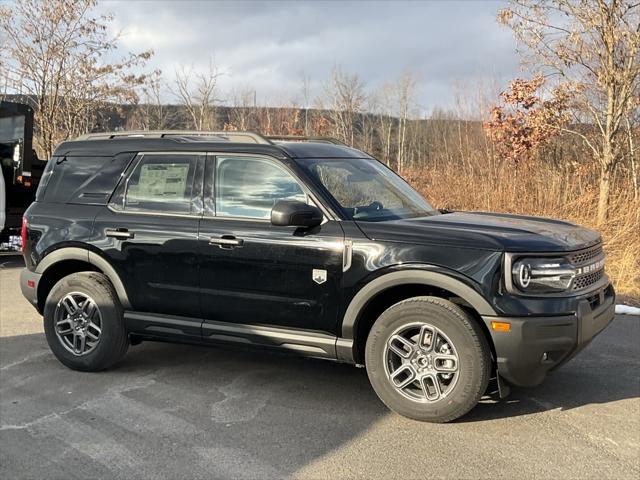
(542, 275)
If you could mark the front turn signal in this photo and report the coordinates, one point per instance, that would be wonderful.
(500, 326)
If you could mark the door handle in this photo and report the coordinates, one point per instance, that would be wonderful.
(226, 241)
(119, 233)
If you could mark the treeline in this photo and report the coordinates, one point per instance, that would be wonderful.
(562, 142)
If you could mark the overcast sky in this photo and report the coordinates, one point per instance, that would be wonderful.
(268, 45)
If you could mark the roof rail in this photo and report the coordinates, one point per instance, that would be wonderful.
(303, 138)
(235, 137)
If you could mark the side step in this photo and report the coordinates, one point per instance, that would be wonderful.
(310, 344)
(302, 342)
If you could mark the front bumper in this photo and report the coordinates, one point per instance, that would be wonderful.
(29, 285)
(536, 345)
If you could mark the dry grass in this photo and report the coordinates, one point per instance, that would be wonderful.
(555, 193)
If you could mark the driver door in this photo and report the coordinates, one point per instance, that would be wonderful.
(255, 273)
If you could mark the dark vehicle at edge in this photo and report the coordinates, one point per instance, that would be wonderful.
(21, 168)
(308, 246)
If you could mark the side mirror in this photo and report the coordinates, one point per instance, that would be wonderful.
(288, 213)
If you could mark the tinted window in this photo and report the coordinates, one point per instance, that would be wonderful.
(250, 187)
(161, 183)
(66, 177)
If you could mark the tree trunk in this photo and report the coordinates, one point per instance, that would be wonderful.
(603, 199)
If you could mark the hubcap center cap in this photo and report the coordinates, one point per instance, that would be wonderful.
(424, 361)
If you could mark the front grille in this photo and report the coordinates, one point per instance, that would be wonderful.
(587, 280)
(585, 256)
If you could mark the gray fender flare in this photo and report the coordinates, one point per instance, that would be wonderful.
(75, 253)
(425, 277)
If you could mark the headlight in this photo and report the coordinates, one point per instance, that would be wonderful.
(542, 275)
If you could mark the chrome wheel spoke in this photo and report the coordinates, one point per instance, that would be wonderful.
(64, 331)
(95, 328)
(93, 332)
(79, 342)
(427, 338)
(431, 387)
(69, 304)
(403, 376)
(88, 309)
(445, 363)
(401, 346)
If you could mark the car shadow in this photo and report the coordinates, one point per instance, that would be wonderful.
(583, 381)
(251, 413)
(345, 389)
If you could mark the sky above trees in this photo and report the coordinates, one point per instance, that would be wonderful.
(269, 46)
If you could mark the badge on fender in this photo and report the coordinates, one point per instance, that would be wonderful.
(319, 276)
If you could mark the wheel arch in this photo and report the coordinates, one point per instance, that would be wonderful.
(68, 260)
(390, 288)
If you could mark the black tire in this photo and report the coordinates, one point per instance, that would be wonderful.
(469, 342)
(113, 339)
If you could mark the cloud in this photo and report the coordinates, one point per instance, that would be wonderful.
(267, 45)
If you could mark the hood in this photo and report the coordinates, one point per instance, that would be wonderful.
(494, 231)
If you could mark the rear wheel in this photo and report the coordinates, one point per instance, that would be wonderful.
(427, 359)
(83, 322)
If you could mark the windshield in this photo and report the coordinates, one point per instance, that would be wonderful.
(367, 190)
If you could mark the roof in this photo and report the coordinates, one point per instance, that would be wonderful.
(109, 144)
(319, 150)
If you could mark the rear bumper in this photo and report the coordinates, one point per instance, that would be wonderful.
(536, 345)
(29, 285)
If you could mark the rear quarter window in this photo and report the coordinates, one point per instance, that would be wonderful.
(81, 179)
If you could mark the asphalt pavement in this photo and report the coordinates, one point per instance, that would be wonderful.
(178, 411)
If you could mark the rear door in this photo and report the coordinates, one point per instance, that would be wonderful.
(252, 272)
(149, 234)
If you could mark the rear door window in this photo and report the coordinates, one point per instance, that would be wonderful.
(161, 183)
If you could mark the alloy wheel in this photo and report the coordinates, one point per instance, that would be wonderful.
(421, 362)
(78, 323)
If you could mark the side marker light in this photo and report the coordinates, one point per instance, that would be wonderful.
(500, 326)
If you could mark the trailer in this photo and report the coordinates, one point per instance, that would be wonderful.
(21, 169)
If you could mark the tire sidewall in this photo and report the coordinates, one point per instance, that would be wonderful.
(96, 287)
(455, 324)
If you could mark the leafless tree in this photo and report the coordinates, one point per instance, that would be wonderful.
(152, 113)
(346, 96)
(594, 48)
(383, 108)
(55, 53)
(242, 113)
(405, 92)
(196, 92)
(306, 97)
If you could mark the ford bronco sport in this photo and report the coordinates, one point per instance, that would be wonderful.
(307, 246)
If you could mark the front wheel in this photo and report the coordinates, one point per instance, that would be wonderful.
(428, 360)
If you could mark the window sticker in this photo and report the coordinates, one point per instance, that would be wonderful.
(161, 182)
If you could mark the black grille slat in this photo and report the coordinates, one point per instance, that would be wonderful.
(583, 259)
(585, 256)
(584, 281)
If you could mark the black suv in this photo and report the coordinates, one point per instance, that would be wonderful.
(307, 246)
